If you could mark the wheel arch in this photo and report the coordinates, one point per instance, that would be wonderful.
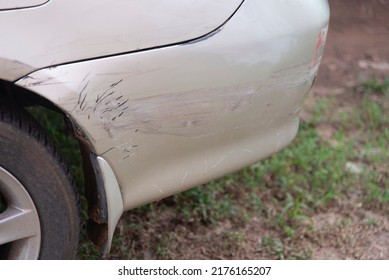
(95, 170)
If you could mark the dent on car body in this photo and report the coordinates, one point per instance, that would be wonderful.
(167, 119)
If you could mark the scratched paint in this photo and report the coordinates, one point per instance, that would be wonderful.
(127, 150)
(178, 113)
(166, 120)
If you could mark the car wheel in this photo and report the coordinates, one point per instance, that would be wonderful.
(39, 205)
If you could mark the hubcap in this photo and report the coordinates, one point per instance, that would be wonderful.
(20, 233)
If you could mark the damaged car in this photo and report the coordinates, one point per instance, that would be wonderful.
(161, 96)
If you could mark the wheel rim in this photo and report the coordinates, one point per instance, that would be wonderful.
(20, 233)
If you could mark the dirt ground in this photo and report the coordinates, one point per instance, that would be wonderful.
(357, 44)
(357, 49)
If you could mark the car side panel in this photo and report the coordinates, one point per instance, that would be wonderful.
(63, 31)
(20, 4)
(170, 118)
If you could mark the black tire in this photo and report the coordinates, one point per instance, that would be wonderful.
(27, 153)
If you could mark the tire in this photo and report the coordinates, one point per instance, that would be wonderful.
(40, 215)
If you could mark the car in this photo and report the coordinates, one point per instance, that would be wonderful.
(161, 96)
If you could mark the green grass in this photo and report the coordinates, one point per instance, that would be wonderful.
(308, 177)
(375, 86)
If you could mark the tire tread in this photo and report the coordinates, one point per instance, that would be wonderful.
(24, 122)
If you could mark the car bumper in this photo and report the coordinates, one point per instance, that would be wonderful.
(170, 118)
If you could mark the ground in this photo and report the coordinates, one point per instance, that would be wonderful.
(357, 51)
(357, 44)
(324, 197)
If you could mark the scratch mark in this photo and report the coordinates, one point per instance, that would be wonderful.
(46, 84)
(107, 151)
(183, 178)
(79, 101)
(125, 158)
(183, 114)
(83, 100)
(86, 76)
(121, 104)
(221, 159)
(99, 98)
(29, 77)
(107, 110)
(115, 84)
(155, 186)
(83, 89)
(248, 151)
(83, 108)
(126, 149)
